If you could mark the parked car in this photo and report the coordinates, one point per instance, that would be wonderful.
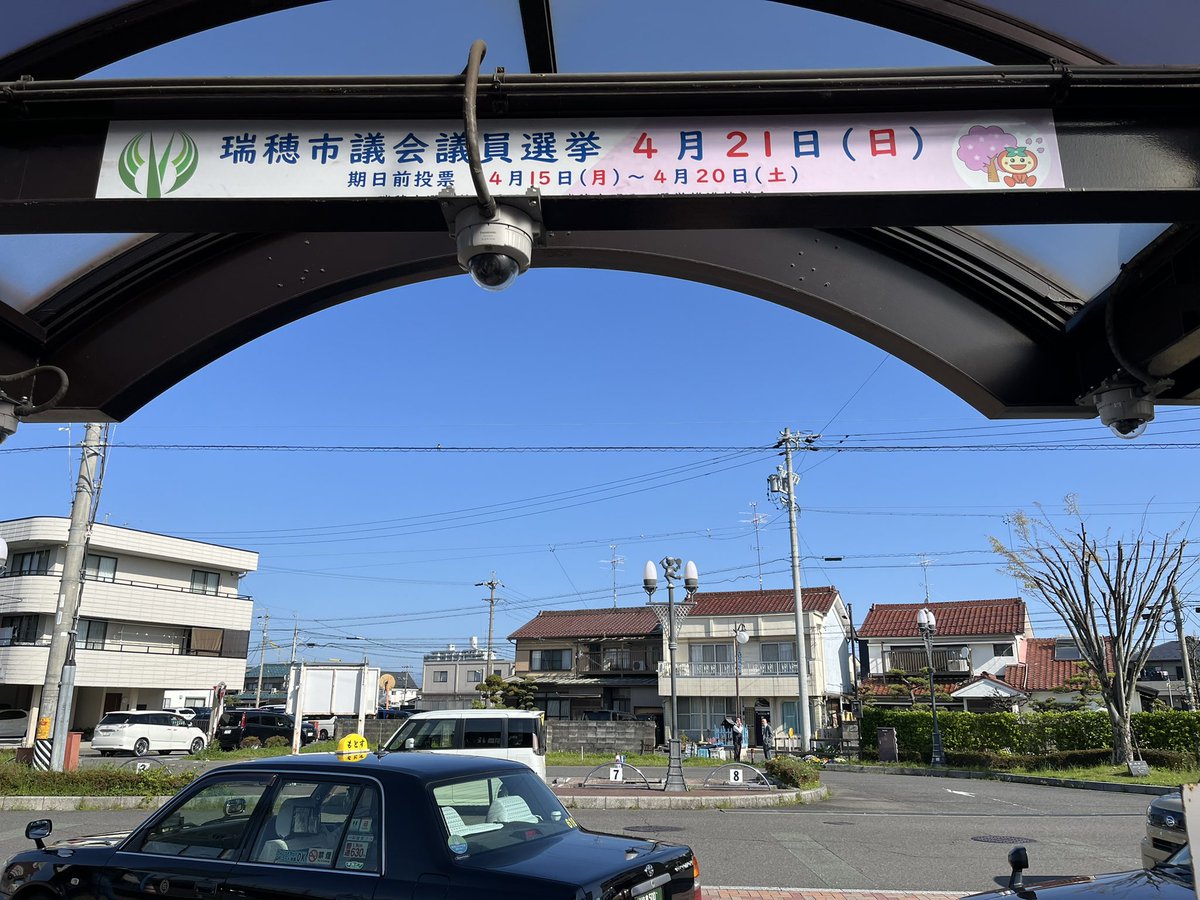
(1171, 879)
(1165, 829)
(188, 712)
(238, 724)
(13, 723)
(394, 712)
(390, 825)
(325, 725)
(516, 734)
(142, 731)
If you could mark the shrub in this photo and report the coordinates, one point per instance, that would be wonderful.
(101, 781)
(1170, 759)
(793, 772)
(275, 740)
(250, 743)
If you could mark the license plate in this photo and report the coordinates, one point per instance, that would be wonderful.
(226, 731)
(655, 894)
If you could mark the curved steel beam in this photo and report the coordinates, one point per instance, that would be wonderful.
(154, 330)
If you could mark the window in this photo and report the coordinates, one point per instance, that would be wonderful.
(32, 562)
(208, 825)
(526, 734)
(475, 676)
(24, 628)
(702, 716)
(205, 582)
(785, 652)
(426, 734)
(1065, 648)
(1002, 649)
(498, 672)
(558, 709)
(710, 653)
(321, 825)
(550, 660)
(497, 813)
(482, 733)
(441, 676)
(100, 568)
(92, 633)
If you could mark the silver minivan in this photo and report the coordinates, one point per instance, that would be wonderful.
(515, 734)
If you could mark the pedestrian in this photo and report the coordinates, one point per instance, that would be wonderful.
(768, 739)
(739, 733)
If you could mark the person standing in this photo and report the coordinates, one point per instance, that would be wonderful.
(739, 733)
(768, 739)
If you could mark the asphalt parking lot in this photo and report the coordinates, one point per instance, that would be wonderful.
(877, 832)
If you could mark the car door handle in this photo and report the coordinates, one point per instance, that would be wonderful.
(206, 887)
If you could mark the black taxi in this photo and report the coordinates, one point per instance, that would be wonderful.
(396, 826)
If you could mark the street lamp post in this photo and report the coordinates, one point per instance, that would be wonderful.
(691, 581)
(740, 637)
(927, 625)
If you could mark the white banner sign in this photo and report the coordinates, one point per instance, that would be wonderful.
(878, 153)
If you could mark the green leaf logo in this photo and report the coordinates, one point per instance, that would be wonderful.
(160, 168)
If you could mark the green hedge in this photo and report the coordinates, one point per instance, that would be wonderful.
(794, 772)
(1032, 734)
(18, 780)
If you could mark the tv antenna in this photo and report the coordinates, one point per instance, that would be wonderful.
(756, 519)
(614, 561)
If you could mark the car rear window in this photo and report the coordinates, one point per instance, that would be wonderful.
(118, 718)
(231, 718)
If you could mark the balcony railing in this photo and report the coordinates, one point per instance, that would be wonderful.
(726, 669)
(914, 662)
(223, 594)
(621, 662)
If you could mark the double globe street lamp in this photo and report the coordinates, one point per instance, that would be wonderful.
(691, 582)
(927, 626)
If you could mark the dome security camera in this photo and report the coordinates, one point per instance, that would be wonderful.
(1125, 410)
(494, 251)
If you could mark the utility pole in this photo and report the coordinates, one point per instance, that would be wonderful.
(490, 600)
(55, 702)
(782, 484)
(262, 653)
(1184, 652)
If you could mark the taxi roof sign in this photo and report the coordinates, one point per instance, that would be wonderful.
(352, 748)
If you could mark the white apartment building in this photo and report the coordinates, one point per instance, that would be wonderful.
(158, 616)
(718, 677)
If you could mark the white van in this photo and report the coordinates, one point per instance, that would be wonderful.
(515, 734)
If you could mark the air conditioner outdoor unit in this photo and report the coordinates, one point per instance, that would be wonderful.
(959, 665)
(639, 665)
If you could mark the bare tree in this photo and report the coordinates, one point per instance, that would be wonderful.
(1111, 596)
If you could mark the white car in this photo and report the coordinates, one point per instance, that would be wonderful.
(141, 732)
(13, 723)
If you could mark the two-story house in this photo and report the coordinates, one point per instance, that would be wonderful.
(451, 677)
(718, 677)
(272, 690)
(592, 662)
(1164, 672)
(157, 615)
(976, 643)
(1053, 670)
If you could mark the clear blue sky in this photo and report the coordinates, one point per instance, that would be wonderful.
(388, 547)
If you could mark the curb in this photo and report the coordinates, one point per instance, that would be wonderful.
(39, 804)
(722, 892)
(655, 800)
(1077, 784)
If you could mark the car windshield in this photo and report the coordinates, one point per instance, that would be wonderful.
(1182, 858)
(118, 718)
(484, 813)
(234, 717)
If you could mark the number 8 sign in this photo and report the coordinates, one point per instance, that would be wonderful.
(735, 776)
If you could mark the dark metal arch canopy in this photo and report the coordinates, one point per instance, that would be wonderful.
(128, 333)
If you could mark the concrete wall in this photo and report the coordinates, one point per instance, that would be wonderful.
(599, 737)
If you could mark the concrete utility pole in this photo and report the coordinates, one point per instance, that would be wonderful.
(60, 663)
(1184, 653)
(783, 485)
(262, 653)
(490, 600)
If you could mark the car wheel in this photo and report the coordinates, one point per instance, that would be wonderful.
(141, 748)
(106, 753)
(197, 746)
(324, 735)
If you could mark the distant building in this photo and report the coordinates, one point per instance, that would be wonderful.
(450, 676)
(158, 616)
(406, 692)
(274, 686)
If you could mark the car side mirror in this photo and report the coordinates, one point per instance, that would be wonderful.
(1018, 858)
(410, 743)
(235, 806)
(38, 830)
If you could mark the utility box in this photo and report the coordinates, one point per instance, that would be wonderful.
(889, 749)
(71, 753)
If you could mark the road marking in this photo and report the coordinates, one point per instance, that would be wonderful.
(960, 793)
(947, 815)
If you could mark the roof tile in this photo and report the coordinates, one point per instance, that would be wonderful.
(1041, 671)
(613, 621)
(749, 603)
(958, 617)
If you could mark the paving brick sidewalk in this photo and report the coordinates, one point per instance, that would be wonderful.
(777, 893)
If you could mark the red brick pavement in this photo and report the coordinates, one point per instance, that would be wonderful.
(776, 893)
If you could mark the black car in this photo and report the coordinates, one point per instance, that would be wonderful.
(397, 825)
(1169, 880)
(238, 724)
